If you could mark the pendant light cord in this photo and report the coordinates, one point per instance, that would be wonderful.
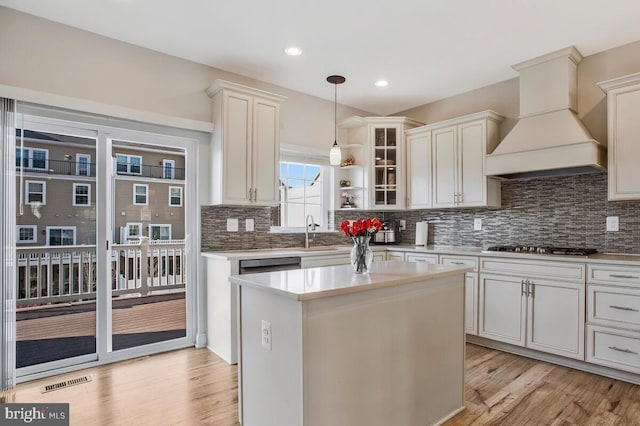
(335, 114)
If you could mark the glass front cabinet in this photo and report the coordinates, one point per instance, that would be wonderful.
(388, 171)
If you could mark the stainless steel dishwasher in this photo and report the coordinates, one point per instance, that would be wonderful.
(251, 266)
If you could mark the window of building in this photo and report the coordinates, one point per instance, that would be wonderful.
(140, 194)
(32, 158)
(134, 229)
(168, 169)
(27, 233)
(81, 194)
(301, 194)
(83, 165)
(128, 164)
(36, 192)
(175, 196)
(61, 235)
(160, 232)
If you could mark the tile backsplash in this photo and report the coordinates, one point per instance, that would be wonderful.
(559, 211)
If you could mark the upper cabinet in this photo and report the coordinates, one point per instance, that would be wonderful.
(419, 178)
(458, 147)
(623, 123)
(246, 144)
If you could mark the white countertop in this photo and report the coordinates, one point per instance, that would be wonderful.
(314, 283)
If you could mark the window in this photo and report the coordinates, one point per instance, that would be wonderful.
(81, 194)
(175, 196)
(32, 158)
(83, 165)
(134, 230)
(301, 193)
(27, 233)
(168, 169)
(36, 192)
(160, 232)
(61, 235)
(140, 194)
(128, 164)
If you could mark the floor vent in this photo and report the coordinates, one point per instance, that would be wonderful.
(66, 384)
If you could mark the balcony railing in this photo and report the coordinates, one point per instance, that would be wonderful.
(68, 273)
(74, 168)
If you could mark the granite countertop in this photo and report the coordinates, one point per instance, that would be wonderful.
(315, 283)
(611, 258)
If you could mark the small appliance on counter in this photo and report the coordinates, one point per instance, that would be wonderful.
(389, 234)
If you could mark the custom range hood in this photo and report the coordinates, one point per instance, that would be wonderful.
(548, 138)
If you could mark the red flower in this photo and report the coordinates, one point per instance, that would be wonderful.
(365, 227)
(345, 228)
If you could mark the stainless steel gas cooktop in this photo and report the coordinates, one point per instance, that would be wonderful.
(563, 251)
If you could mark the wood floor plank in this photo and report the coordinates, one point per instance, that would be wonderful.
(195, 387)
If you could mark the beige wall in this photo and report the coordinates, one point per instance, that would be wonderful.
(46, 56)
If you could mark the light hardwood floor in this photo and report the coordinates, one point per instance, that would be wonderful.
(193, 387)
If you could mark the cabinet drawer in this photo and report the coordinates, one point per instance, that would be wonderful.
(613, 348)
(460, 260)
(421, 257)
(614, 274)
(533, 268)
(614, 306)
(395, 255)
(316, 261)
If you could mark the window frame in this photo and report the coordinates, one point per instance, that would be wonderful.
(167, 225)
(27, 193)
(61, 228)
(181, 191)
(326, 177)
(78, 157)
(146, 200)
(74, 201)
(165, 162)
(29, 150)
(128, 226)
(34, 228)
(129, 165)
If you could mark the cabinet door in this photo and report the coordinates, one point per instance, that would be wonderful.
(502, 309)
(556, 318)
(266, 150)
(624, 149)
(387, 167)
(237, 153)
(471, 180)
(419, 171)
(444, 167)
(471, 303)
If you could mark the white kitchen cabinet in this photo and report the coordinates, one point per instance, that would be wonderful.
(419, 168)
(327, 260)
(623, 123)
(395, 255)
(458, 149)
(613, 312)
(421, 257)
(523, 303)
(470, 289)
(245, 144)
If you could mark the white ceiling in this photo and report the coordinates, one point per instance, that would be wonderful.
(427, 49)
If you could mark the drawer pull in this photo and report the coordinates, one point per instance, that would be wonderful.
(623, 308)
(623, 276)
(626, 351)
(457, 263)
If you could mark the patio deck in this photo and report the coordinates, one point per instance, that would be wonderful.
(52, 333)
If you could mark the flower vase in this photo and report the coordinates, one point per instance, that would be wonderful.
(361, 254)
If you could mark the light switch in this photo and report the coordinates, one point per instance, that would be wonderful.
(248, 225)
(232, 225)
(613, 223)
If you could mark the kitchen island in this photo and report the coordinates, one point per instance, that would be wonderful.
(324, 346)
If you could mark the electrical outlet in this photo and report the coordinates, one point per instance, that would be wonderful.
(477, 224)
(266, 335)
(613, 223)
(403, 225)
(249, 225)
(232, 225)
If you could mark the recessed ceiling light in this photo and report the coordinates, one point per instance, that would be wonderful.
(293, 51)
(381, 83)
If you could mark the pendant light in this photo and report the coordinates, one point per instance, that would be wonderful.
(335, 155)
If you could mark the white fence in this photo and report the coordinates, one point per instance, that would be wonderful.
(68, 273)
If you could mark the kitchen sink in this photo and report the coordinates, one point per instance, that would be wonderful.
(321, 248)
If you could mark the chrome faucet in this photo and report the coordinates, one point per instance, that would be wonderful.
(306, 229)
